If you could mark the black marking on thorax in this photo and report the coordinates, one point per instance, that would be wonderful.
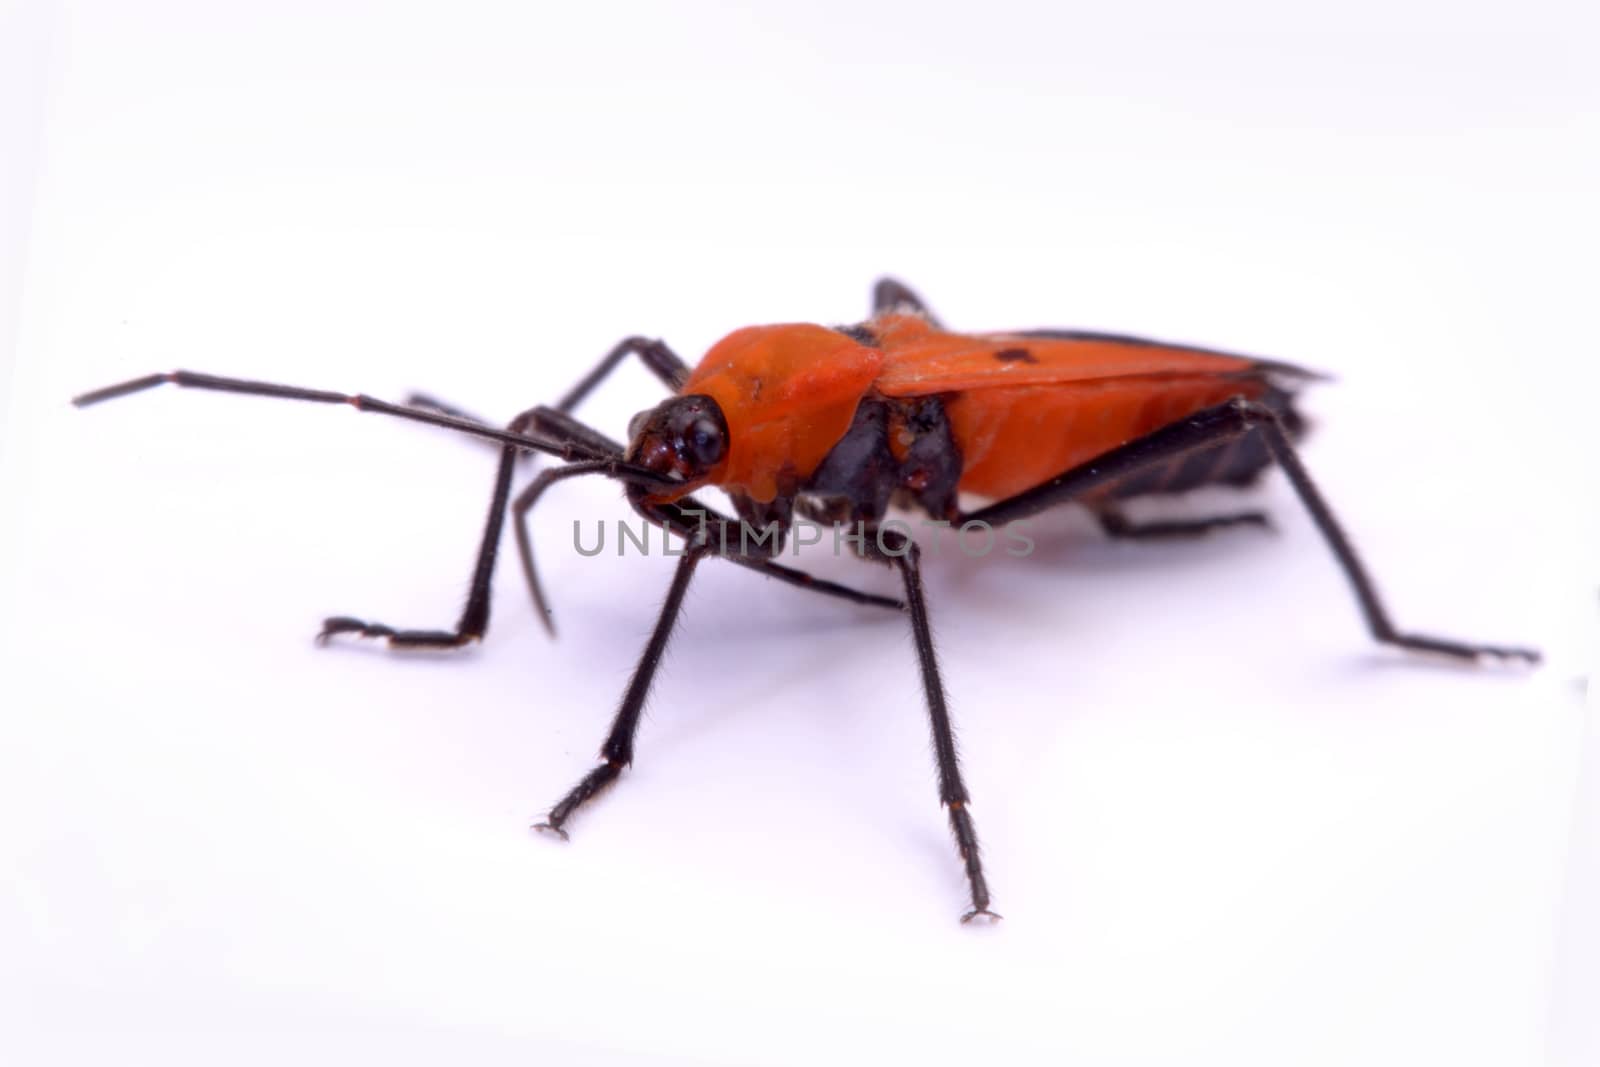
(893, 447)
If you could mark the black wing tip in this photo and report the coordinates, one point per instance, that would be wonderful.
(1289, 376)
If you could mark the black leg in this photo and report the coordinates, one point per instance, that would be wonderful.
(662, 361)
(1230, 420)
(520, 507)
(891, 296)
(617, 751)
(900, 551)
(1117, 525)
(474, 621)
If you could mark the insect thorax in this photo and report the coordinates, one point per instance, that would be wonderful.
(896, 451)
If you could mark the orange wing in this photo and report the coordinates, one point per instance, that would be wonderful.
(1025, 407)
(922, 360)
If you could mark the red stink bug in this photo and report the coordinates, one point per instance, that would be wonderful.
(836, 424)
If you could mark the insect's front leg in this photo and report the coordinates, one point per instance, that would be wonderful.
(616, 753)
(598, 453)
(900, 551)
(474, 620)
(707, 533)
(578, 441)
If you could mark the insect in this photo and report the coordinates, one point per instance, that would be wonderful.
(838, 424)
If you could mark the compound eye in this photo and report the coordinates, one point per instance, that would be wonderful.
(703, 442)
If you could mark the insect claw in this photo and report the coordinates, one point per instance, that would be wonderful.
(993, 916)
(345, 624)
(1512, 655)
(548, 617)
(546, 828)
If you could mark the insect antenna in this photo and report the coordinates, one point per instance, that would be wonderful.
(359, 401)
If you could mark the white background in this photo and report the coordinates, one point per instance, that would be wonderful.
(1222, 826)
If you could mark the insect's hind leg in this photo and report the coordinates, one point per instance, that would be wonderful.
(1118, 526)
(1226, 421)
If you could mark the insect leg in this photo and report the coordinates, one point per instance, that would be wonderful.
(895, 548)
(474, 620)
(1233, 419)
(519, 508)
(892, 296)
(475, 617)
(617, 750)
(1117, 525)
(662, 361)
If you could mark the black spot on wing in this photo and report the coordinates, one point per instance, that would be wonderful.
(1015, 355)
